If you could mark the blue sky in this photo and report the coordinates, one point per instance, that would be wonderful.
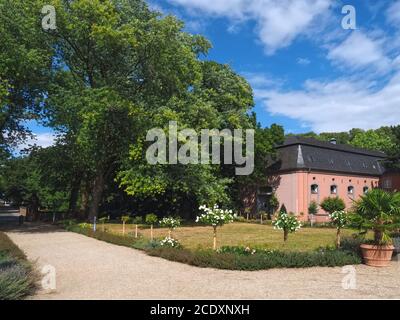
(307, 72)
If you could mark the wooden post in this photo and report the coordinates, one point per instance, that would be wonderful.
(261, 218)
(169, 233)
(136, 231)
(123, 228)
(151, 232)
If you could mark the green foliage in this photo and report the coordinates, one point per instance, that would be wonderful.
(170, 223)
(233, 258)
(286, 222)
(215, 216)
(151, 218)
(259, 261)
(125, 219)
(378, 211)
(339, 219)
(313, 207)
(137, 220)
(332, 204)
(17, 277)
(379, 140)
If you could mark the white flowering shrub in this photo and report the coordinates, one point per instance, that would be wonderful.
(339, 220)
(287, 223)
(170, 223)
(170, 242)
(215, 216)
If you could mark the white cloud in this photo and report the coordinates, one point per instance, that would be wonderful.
(339, 105)
(43, 140)
(303, 61)
(279, 22)
(393, 13)
(360, 51)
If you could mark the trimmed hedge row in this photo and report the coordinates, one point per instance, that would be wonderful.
(232, 258)
(17, 276)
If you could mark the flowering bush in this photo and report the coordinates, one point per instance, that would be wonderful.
(288, 223)
(170, 242)
(237, 250)
(170, 223)
(215, 216)
(339, 220)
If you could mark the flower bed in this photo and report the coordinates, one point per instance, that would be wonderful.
(232, 258)
(17, 277)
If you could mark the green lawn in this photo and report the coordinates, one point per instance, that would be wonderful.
(241, 234)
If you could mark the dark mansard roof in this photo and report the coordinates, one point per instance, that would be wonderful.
(298, 153)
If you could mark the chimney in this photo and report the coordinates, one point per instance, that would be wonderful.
(333, 141)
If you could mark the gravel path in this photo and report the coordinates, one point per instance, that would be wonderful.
(90, 269)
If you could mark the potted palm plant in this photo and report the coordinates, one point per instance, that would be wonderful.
(378, 211)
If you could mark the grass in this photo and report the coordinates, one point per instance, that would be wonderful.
(241, 234)
(17, 276)
(232, 258)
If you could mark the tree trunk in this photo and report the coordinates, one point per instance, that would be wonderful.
(338, 238)
(84, 209)
(285, 235)
(73, 198)
(378, 236)
(97, 193)
(215, 239)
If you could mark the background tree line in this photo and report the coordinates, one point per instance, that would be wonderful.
(108, 73)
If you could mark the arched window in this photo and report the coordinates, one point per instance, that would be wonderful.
(314, 188)
(350, 190)
(333, 189)
(365, 190)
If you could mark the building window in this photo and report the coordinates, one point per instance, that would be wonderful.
(387, 184)
(365, 190)
(333, 189)
(350, 190)
(314, 188)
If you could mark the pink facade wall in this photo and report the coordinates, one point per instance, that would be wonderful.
(294, 190)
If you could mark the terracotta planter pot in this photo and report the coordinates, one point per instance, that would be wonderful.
(377, 256)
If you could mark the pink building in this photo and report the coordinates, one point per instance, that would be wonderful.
(310, 170)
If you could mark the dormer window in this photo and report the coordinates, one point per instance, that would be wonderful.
(333, 189)
(314, 189)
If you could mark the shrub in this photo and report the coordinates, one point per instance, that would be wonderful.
(235, 259)
(330, 205)
(170, 223)
(287, 223)
(339, 220)
(17, 276)
(215, 217)
(170, 242)
(151, 219)
(378, 211)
